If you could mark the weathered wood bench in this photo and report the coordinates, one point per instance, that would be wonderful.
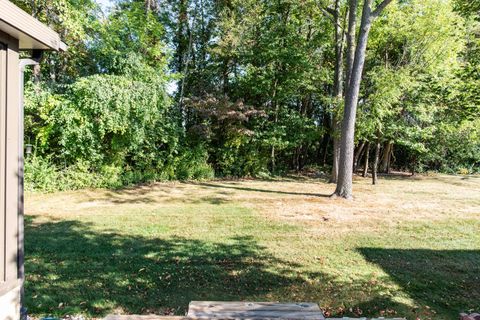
(254, 310)
(203, 310)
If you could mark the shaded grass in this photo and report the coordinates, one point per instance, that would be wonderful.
(153, 249)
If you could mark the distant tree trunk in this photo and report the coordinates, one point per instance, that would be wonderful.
(325, 152)
(365, 164)
(338, 90)
(413, 165)
(345, 173)
(358, 156)
(336, 157)
(151, 5)
(390, 159)
(272, 159)
(225, 77)
(296, 158)
(386, 156)
(276, 109)
(375, 163)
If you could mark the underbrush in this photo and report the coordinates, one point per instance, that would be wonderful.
(43, 175)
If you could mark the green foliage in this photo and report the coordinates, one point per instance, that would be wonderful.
(455, 148)
(110, 119)
(131, 43)
(228, 132)
(416, 88)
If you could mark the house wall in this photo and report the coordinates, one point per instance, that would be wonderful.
(10, 159)
(10, 305)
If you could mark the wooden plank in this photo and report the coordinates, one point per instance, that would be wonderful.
(218, 310)
(381, 318)
(154, 317)
(220, 306)
(258, 315)
(143, 317)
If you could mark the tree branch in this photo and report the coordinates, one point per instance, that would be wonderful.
(380, 8)
(330, 10)
(330, 14)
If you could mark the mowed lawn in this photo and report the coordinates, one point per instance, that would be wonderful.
(406, 247)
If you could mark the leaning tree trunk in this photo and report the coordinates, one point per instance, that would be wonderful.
(345, 174)
(375, 163)
(358, 155)
(365, 164)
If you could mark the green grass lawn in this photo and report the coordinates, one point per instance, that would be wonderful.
(406, 247)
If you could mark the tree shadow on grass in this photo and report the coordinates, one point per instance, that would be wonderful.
(74, 268)
(230, 186)
(71, 268)
(441, 282)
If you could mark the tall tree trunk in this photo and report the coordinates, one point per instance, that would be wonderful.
(181, 35)
(182, 55)
(278, 69)
(375, 163)
(351, 33)
(345, 174)
(338, 91)
(365, 164)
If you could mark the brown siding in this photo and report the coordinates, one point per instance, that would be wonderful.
(9, 158)
(18, 30)
(12, 159)
(3, 100)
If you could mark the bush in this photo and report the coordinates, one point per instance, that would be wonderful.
(192, 165)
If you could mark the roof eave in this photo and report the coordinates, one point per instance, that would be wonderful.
(31, 33)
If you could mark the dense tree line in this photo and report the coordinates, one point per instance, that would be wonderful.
(189, 89)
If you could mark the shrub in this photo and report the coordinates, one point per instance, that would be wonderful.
(41, 174)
